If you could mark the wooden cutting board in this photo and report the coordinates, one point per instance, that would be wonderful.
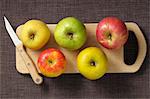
(115, 57)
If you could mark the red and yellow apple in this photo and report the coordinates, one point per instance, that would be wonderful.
(51, 62)
(111, 33)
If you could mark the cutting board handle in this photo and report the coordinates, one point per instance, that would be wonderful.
(142, 47)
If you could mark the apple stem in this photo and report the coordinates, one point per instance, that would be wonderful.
(50, 61)
(92, 63)
(70, 35)
(109, 36)
(32, 36)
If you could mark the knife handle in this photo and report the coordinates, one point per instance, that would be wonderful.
(30, 65)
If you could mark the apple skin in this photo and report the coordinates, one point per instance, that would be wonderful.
(51, 62)
(112, 33)
(87, 68)
(35, 34)
(70, 33)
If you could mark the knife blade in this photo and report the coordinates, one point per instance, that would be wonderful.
(11, 32)
(27, 60)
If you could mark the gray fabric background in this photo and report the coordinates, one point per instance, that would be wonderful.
(16, 86)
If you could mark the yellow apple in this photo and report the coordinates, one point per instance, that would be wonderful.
(35, 34)
(92, 63)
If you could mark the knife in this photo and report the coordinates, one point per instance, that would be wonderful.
(25, 57)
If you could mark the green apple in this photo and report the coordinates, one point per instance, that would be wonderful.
(70, 33)
(35, 34)
(92, 63)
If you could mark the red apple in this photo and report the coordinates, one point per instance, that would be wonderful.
(51, 62)
(112, 33)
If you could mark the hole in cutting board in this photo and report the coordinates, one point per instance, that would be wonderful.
(131, 49)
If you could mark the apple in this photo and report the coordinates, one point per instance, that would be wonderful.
(51, 62)
(35, 34)
(70, 33)
(92, 63)
(112, 33)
